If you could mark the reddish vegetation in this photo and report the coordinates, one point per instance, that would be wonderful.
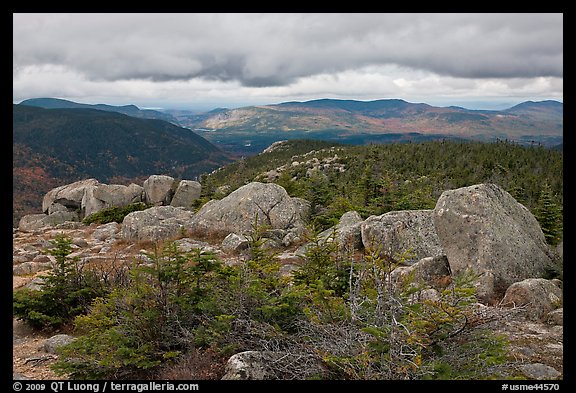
(31, 179)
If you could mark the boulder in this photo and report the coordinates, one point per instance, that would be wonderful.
(56, 207)
(555, 317)
(235, 243)
(36, 284)
(267, 365)
(158, 190)
(348, 232)
(105, 231)
(26, 268)
(187, 245)
(483, 228)
(103, 196)
(69, 195)
(398, 232)
(289, 258)
(187, 192)
(53, 343)
(80, 242)
(237, 212)
(537, 295)
(32, 222)
(539, 371)
(155, 223)
(249, 365)
(430, 271)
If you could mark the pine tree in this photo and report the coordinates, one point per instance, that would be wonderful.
(549, 215)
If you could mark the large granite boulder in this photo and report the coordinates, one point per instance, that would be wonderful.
(270, 204)
(88, 196)
(483, 228)
(158, 190)
(69, 195)
(103, 196)
(187, 192)
(397, 232)
(155, 223)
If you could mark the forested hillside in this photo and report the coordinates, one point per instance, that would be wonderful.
(54, 146)
(376, 179)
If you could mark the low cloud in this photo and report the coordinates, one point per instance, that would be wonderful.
(261, 50)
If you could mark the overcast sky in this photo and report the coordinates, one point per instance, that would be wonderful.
(203, 61)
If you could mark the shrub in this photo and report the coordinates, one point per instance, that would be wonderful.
(194, 365)
(323, 264)
(149, 321)
(67, 291)
(398, 335)
(114, 214)
(185, 304)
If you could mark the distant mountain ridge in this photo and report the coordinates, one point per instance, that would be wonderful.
(52, 146)
(130, 110)
(352, 121)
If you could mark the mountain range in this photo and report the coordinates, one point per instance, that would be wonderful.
(55, 146)
(348, 121)
(130, 110)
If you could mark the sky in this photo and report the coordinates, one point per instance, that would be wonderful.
(204, 61)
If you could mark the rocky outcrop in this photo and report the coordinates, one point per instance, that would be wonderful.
(269, 204)
(32, 222)
(480, 221)
(483, 228)
(69, 195)
(398, 232)
(156, 223)
(76, 201)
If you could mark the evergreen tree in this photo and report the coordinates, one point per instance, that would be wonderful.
(549, 215)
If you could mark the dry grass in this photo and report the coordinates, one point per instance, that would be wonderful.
(195, 365)
(212, 237)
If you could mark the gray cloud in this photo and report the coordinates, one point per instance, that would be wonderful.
(276, 49)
